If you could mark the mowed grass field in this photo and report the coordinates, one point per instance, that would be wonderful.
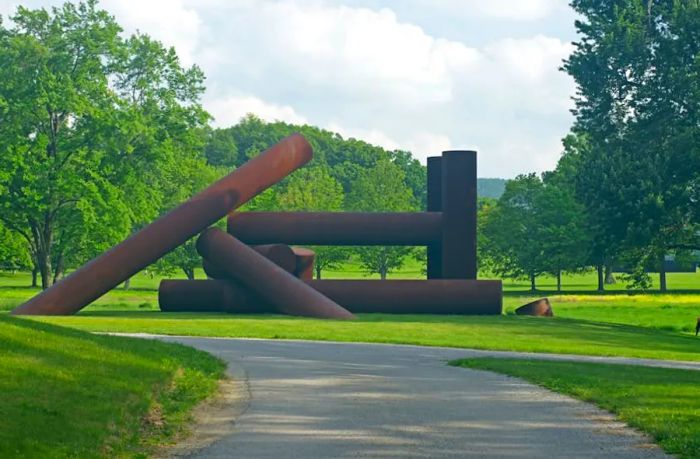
(640, 325)
(650, 325)
(663, 403)
(67, 393)
(674, 312)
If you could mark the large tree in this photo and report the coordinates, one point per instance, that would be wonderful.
(382, 188)
(314, 189)
(535, 228)
(638, 105)
(87, 119)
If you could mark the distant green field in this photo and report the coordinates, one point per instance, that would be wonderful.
(412, 270)
(670, 312)
(507, 333)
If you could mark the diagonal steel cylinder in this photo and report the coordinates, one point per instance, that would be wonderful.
(272, 283)
(436, 296)
(168, 232)
(280, 254)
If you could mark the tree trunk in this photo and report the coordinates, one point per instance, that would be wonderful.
(59, 269)
(35, 275)
(44, 269)
(601, 278)
(662, 274)
(609, 276)
(189, 272)
(533, 285)
(42, 234)
(559, 280)
(382, 273)
(318, 271)
(127, 284)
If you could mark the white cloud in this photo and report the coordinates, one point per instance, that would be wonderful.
(367, 73)
(230, 110)
(421, 144)
(7, 9)
(522, 10)
(168, 21)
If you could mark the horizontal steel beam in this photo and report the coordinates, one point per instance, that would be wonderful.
(337, 228)
(435, 296)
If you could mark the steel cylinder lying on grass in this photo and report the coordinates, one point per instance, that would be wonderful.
(336, 228)
(272, 283)
(280, 254)
(209, 296)
(168, 232)
(438, 296)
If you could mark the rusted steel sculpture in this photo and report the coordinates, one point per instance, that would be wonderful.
(434, 198)
(458, 215)
(448, 228)
(280, 254)
(272, 283)
(165, 234)
(209, 296)
(438, 296)
(305, 260)
(540, 307)
(336, 228)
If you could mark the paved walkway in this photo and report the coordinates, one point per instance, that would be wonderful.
(337, 400)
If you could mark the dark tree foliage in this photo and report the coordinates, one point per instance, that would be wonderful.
(638, 122)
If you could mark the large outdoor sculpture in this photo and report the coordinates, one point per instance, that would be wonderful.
(448, 229)
(271, 276)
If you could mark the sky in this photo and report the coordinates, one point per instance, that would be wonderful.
(419, 75)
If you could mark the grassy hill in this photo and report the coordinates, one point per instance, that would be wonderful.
(67, 393)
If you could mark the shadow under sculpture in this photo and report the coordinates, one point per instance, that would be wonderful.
(170, 231)
(269, 281)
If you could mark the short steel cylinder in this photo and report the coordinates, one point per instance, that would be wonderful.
(305, 261)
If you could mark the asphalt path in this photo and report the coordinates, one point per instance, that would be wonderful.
(337, 400)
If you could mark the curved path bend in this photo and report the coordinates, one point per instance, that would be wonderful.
(348, 400)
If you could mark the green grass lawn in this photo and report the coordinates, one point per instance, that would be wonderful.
(511, 333)
(663, 403)
(640, 325)
(67, 393)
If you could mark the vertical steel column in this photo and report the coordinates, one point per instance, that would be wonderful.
(434, 251)
(459, 214)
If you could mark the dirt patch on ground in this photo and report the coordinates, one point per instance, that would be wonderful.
(213, 419)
